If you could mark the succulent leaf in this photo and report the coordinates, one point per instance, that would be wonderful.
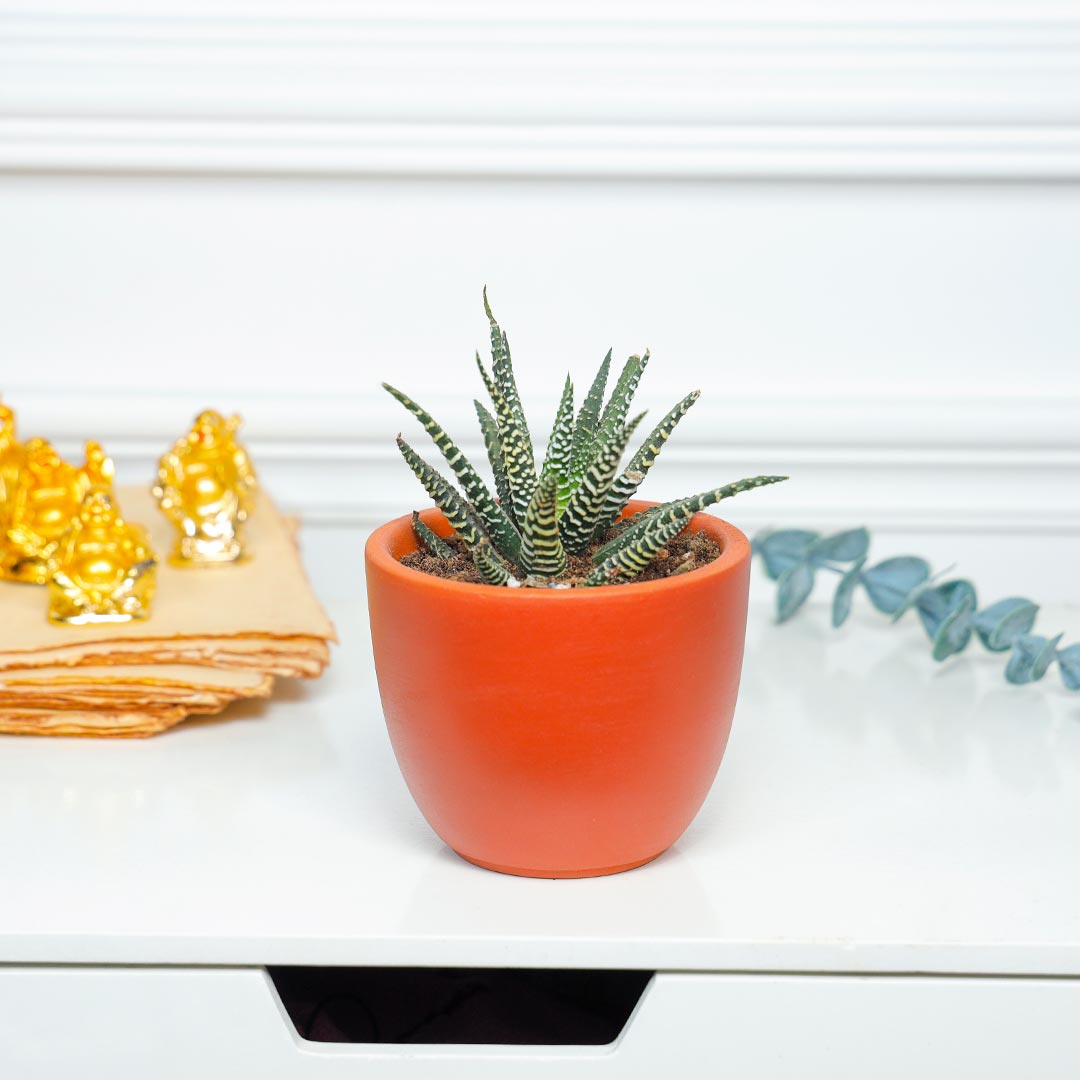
(588, 419)
(491, 568)
(999, 625)
(680, 508)
(517, 444)
(889, 583)
(557, 458)
(845, 593)
(458, 512)
(542, 552)
(1030, 657)
(622, 491)
(489, 426)
(578, 521)
(430, 541)
(618, 406)
(629, 560)
(497, 524)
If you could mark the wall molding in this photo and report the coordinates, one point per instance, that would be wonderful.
(1007, 466)
(590, 90)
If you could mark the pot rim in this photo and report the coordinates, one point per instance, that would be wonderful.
(735, 550)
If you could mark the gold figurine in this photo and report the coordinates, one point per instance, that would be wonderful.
(206, 487)
(47, 495)
(104, 568)
(10, 458)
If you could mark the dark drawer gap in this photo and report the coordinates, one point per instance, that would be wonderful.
(511, 1006)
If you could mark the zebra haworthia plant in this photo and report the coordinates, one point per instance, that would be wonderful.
(948, 610)
(538, 516)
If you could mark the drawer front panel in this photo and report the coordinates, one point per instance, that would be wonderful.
(133, 1023)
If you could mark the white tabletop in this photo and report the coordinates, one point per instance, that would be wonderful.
(875, 812)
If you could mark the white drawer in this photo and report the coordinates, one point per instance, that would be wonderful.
(206, 1023)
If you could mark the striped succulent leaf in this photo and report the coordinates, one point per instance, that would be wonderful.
(430, 541)
(497, 524)
(492, 389)
(542, 552)
(578, 521)
(588, 419)
(618, 406)
(458, 512)
(491, 567)
(557, 458)
(630, 480)
(678, 509)
(629, 560)
(493, 442)
(517, 444)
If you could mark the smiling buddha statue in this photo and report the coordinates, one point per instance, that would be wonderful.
(10, 458)
(103, 569)
(206, 487)
(47, 495)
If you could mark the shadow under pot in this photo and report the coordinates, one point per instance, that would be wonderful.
(558, 733)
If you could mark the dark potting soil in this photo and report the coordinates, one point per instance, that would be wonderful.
(687, 551)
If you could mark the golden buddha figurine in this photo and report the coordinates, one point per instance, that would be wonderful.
(206, 487)
(47, 496)
(103, 569)
(10, 458)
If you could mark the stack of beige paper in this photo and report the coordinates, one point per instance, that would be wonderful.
(215, 635)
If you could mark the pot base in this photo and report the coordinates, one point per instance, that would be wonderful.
(520, 871)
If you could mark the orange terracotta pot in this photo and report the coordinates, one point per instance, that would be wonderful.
(558, 733)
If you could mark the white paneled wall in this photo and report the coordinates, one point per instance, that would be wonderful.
(858, 234)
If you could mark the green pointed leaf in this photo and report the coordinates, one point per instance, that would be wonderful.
(618, 407)
(588, 420)
(430, 541)
(517, 444)
(631, 559)
(491, 568)
(493, 443)
(680, 508)
(542, 552)
(557, 458)
(458, 512)
(625, 486)
(578, 521)
(498, 526)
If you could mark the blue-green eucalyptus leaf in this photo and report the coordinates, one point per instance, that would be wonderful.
(999, 625)
(782, 549)
(1069, 665)
(795, 585)
(939, 603)
(1030, 657)
(841, 547)
(845, 593)
(955, 629)
(889, 583)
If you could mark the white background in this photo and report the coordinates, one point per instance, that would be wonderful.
(856, 230)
